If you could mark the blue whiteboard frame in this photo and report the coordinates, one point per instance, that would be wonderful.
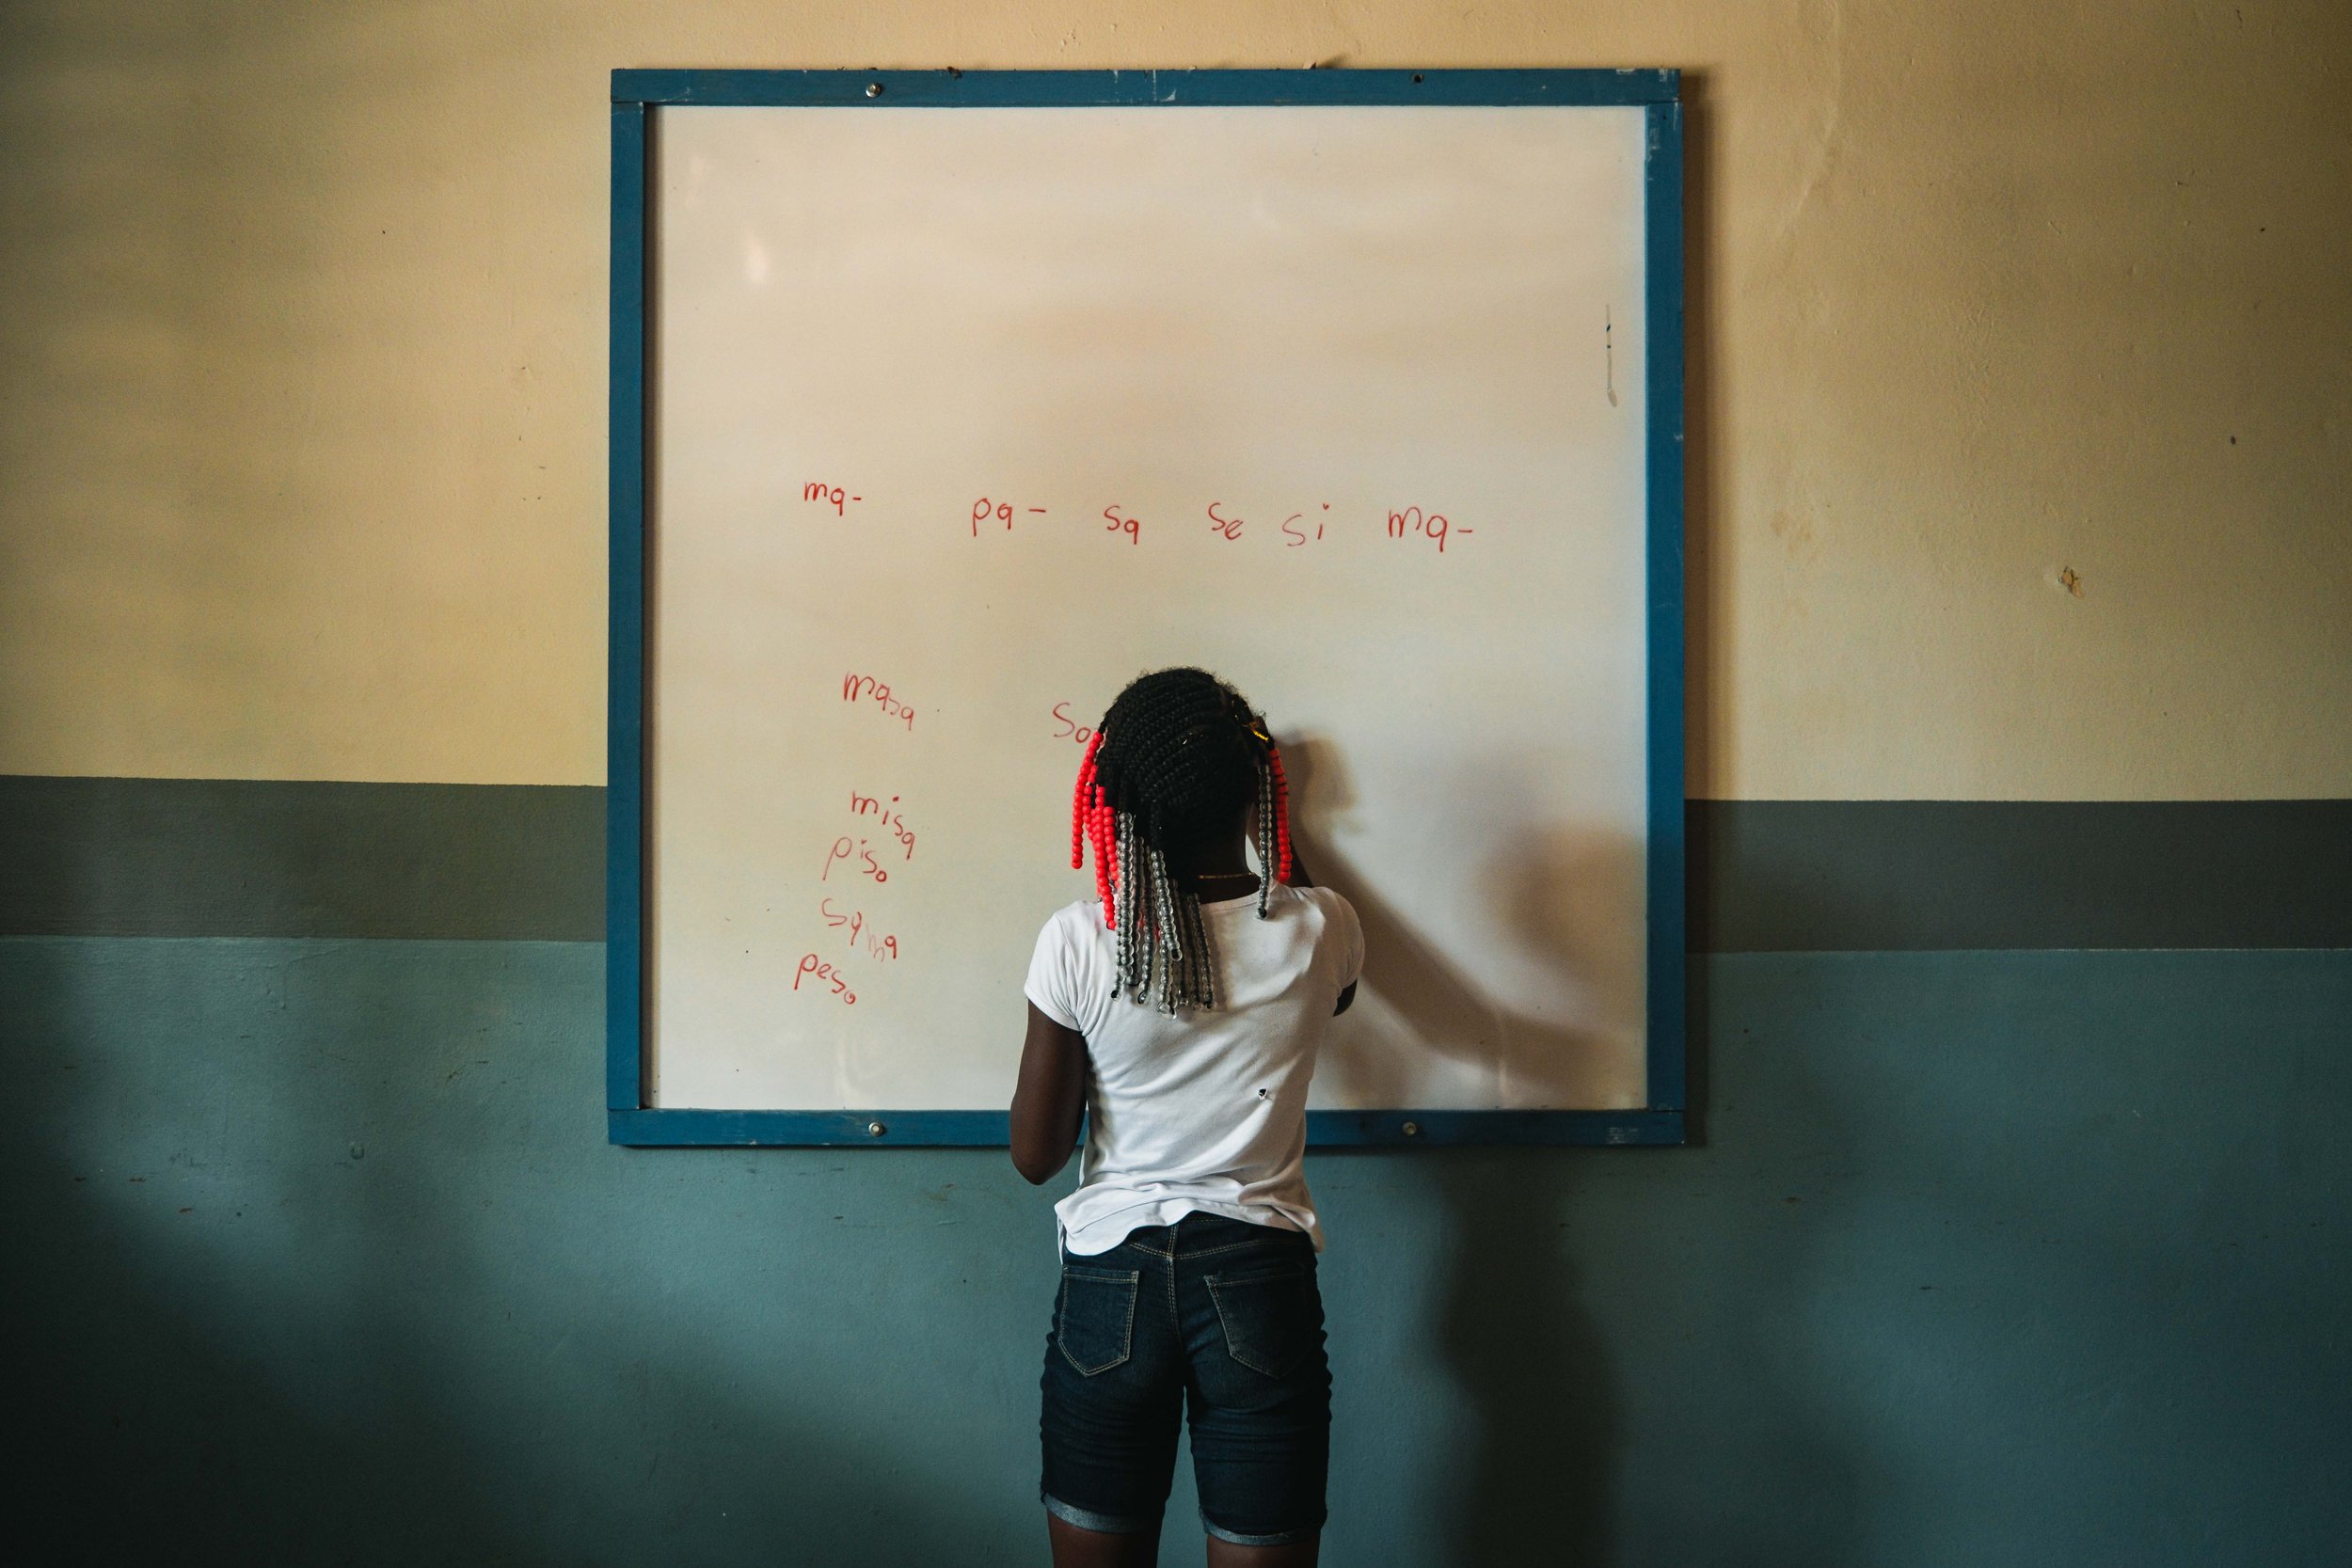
(637, 93)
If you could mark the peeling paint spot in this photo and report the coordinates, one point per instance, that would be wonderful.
(2071, 581)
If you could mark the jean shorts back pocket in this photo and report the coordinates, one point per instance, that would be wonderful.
(1272, 1317)
(1096, 1325)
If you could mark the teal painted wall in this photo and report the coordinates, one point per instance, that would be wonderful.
(2018, 1258)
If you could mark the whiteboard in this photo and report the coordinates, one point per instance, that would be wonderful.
(958, 419)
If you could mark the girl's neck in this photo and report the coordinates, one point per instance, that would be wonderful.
(1218, 870)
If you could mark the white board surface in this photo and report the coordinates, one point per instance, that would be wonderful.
(1284, 342)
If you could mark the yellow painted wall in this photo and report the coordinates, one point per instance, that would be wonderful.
(302, 372)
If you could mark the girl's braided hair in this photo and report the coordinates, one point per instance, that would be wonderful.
(1175, 759)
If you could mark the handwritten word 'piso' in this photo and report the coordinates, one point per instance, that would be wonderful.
(862, 864)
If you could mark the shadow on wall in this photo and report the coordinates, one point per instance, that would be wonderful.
(1574, 1286)
(162, 1433)
(478, 1336)
(1536, 1482)
(1520, 1317)
(1561, 894)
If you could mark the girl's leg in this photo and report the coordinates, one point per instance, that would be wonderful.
(1295, 1554)
(1093, 1548)
(1260, 1393)
(1114, 1393)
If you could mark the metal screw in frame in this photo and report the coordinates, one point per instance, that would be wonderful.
(873, 90)
(875, 1129)
(1412, 1130)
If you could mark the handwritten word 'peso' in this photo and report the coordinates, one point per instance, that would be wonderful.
(816, 970)
(866, 688)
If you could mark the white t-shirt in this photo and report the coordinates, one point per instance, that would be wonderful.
(1207, 1110)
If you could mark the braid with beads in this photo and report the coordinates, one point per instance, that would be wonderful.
(1179, 754)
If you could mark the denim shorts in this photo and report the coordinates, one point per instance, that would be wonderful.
(1213, 1319)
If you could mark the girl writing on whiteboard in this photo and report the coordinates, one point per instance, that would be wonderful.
(1180, 1010)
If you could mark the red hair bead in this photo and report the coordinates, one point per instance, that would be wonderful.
(1081, 802)
(1105, 862)
(1106, 847)
(1282, 814)
(1094, 821)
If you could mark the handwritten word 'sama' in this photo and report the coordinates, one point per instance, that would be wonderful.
(861, 931)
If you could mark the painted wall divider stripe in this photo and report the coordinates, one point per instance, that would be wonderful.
(275, 858)
(1830, 876)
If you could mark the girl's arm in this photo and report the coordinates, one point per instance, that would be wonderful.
(1048, 1099)
(1300, 878)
